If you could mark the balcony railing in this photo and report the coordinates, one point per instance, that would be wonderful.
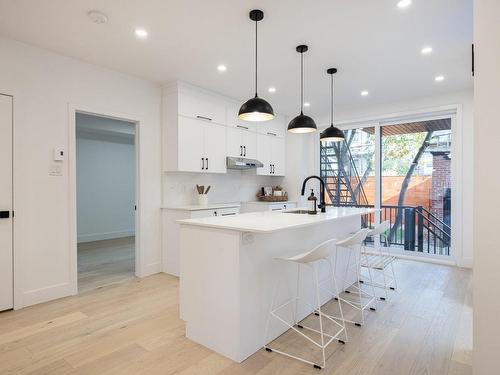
(412, 229)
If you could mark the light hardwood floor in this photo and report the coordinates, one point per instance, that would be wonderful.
(102, 263)
(133, 328)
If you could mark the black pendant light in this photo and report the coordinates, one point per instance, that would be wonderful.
(256, 109)
(302, 123)
(332, 133)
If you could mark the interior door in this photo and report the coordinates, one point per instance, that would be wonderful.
(191, 145)
(6, 273)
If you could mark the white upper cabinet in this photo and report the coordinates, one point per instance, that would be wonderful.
(201, 106)
(271, 152)
(200, 129)
(274, 127)
(241, 143)
(234, 121)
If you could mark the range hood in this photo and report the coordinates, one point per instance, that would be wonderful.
(242, 163)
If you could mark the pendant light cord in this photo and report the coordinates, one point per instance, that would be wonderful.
(301, 82)
(331, 99)
(256, 52)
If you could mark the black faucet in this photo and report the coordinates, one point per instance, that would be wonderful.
(322, 204)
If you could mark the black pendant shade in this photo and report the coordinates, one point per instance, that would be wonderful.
(332, 133)
(256, 109)
(302, 123)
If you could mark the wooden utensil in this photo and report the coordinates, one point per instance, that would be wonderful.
(208, 188)
(199, 188)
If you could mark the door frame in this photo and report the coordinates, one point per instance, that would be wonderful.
(453, 111)
(13, 254)
(100, 112)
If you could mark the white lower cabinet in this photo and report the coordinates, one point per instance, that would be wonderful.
(171, 228)
(201, 146)
(271, 152)
(267, 206)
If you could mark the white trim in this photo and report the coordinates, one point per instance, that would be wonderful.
(45, 294)
(105, 235)
(424, 257)
(102, 112)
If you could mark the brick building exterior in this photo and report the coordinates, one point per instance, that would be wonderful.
(441, 180)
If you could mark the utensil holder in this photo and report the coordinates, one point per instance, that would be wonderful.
(203, 199)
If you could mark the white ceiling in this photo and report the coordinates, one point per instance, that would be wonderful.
(375, 45)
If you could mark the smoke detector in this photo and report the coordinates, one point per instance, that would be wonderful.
(97, 17)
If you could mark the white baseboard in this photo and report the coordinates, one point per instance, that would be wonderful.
(45, 294)
(150, 269)
(105, 236)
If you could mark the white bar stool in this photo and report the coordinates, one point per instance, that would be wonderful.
(311, 260)
(379, 261)
(354, 244)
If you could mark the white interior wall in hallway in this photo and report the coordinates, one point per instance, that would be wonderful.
(44, 86)
(105, 179)
(486, 187)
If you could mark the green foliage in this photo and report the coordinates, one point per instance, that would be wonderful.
(398, 152)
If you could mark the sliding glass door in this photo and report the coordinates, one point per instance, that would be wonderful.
(403, 168)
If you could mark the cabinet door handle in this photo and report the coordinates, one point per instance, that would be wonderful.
(202, 163)
(207, 164)
(203, 118)
(215, 213)
(273, 134)
(241, 150)
(244, 150)
(273, 168)
(242, 127)
(270, 168)
(276, 209)
(230, 214)
(4, 214)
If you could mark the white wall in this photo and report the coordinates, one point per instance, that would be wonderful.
(303, 154)
(235, 186)
(486, 187)
(105, 180)
(44, 85)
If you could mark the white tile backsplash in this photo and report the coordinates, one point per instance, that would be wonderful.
(179, 188)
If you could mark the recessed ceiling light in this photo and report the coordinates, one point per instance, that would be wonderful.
(364, 93)
(307, 104)
(426, 50)
(404, 3)
(271, 89)
(221, 68)
(141, 33)
(439, 78)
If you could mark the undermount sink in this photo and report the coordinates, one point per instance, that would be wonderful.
(297, 212)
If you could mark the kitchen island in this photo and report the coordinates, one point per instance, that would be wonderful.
(228, 272)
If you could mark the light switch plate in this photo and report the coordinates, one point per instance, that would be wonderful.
(59, 154)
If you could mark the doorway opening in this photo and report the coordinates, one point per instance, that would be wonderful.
(105, 200)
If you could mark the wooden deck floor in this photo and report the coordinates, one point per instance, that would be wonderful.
(133, 327)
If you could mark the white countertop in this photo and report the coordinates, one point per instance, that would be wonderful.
(196, 207)
(269, 221)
